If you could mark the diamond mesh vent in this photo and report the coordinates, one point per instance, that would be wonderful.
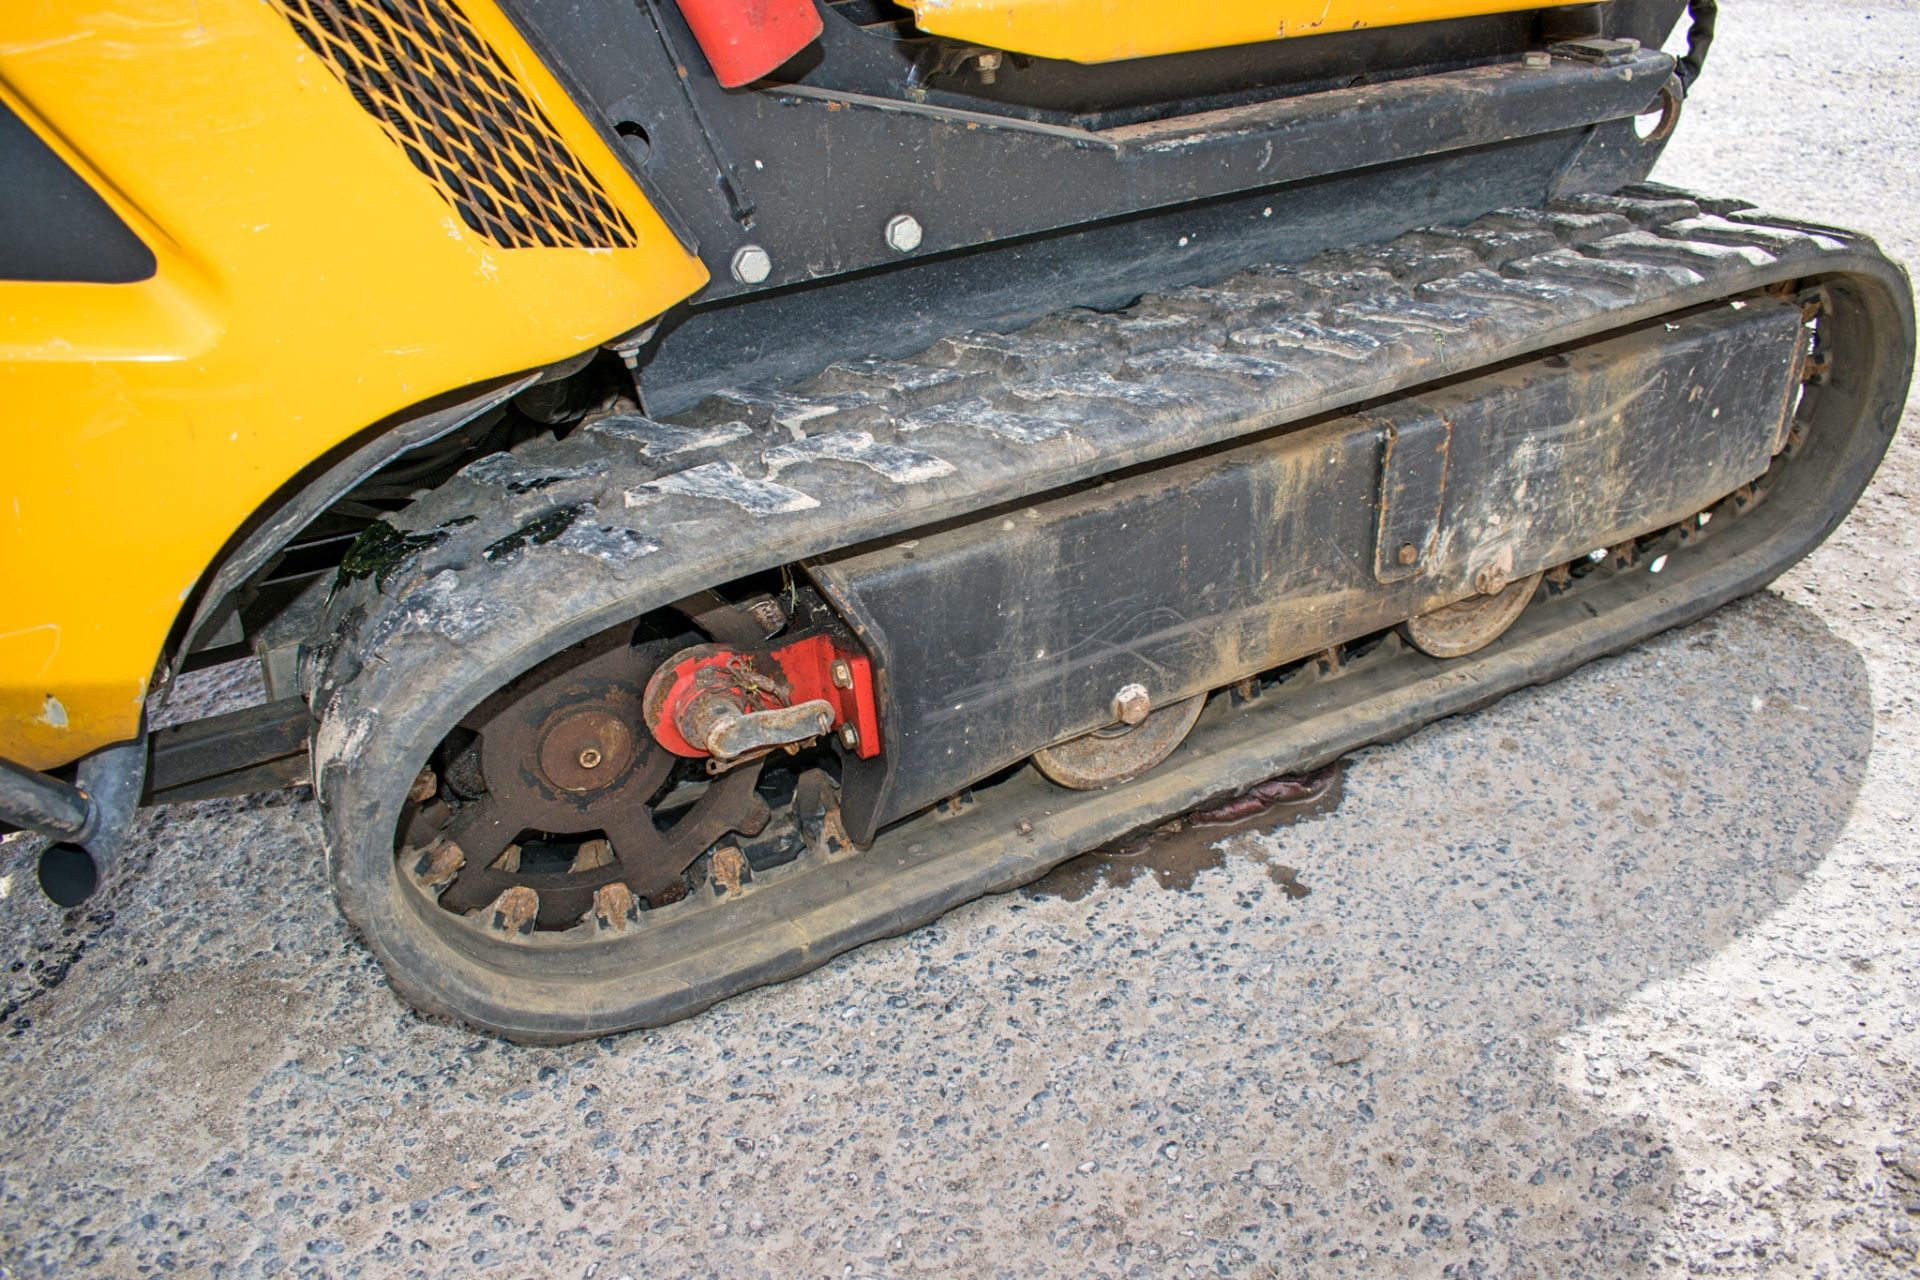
(442, 93)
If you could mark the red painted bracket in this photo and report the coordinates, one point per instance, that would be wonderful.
(807, 667)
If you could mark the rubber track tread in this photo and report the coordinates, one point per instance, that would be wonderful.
(522, 554)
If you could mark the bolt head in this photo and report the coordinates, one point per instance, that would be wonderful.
(903, 233)
(842, 674)
(590, 758)
(1490, 581)
(1131, 704)
(1408, 553)
(752, 264)
(849, 737)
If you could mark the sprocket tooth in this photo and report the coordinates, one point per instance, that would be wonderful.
(754, 817)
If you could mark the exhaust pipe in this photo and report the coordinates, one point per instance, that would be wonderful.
(88, 819)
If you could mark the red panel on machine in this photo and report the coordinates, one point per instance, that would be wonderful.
(746, 39)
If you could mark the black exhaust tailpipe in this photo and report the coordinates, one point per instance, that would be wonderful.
(88, 819)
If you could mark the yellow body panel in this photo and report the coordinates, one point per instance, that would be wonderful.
(1109, 30)
(310, 282)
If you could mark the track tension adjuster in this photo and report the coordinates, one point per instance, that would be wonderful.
(728, 706)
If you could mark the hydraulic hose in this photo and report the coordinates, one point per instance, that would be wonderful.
(1700, 17)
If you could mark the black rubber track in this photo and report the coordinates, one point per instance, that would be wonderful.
(522, 555)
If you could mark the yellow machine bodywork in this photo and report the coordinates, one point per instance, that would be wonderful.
(1109, 30)
(311, 282)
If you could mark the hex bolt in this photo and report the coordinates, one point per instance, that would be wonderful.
(1131, 704)
(849, 737)
(590, 757)
(751, 264)
(1536, 59)
(1490, 581)
(842, 674)
(1408, 553)
(988, 64)
(903, 233)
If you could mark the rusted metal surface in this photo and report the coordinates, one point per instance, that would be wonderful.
(565, 767)
(709, 702)
(728, 868)
(586, 748)
(1466, 626)
(1108, 757)
(816, 801)
(514, 911)
(614, 907)
(736, 737)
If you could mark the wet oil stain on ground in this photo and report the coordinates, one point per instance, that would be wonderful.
(1176, 852)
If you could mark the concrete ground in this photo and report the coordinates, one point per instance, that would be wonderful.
(1614, 977)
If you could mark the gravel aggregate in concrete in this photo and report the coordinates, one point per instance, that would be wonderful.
(1615, 977)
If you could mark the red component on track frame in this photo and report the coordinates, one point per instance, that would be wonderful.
(811, 668)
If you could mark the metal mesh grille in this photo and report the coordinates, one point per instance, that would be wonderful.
(443, 94)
